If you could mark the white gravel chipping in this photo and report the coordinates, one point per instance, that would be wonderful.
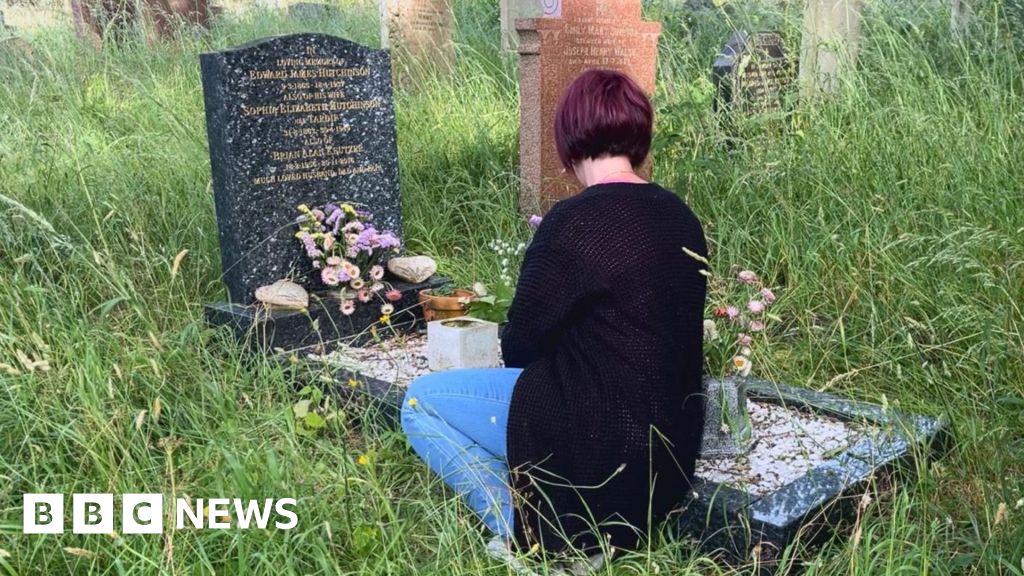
(787, 443)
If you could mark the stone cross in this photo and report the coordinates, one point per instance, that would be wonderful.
(590, 34)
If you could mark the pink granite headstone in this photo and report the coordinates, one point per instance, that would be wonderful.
(553, 51)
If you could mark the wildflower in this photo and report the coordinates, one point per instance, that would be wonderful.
(767, 295)
(357, 283)
(348, 209)
(413, 402)
(710, 331)
(747, 277)
(393, 295)
(744, 339)
(387, 309)
(328, 241)
(376, 287)
(334, 261)
(330, 275)
(720, 312)
(364, 296)
(348, 307)
(318, 214)
(534, 221)
(377, 272)
(353, 270)
(732, 312)
(756, 326)
(385, 319)
(742, 365)
(353, 383)
(363, 460)
(755, 306)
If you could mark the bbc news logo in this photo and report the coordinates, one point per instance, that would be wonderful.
(144, 513)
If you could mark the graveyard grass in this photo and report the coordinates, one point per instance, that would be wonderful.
(890, 219)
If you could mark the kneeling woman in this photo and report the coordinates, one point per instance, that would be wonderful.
(590, 435)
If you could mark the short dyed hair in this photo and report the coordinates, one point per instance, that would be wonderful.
(603, 113)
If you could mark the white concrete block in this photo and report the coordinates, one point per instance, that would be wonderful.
(462, 342)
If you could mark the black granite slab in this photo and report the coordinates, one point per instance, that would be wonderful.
(321, 326)
(815, 505)
(734, 524)
(299, 119)
(753, 73)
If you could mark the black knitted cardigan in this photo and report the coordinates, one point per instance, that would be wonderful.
(606, 419)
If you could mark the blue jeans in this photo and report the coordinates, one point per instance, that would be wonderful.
(456, 422)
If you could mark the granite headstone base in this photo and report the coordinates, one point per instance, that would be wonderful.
(322, 325)
(739, 525)
(735, 525)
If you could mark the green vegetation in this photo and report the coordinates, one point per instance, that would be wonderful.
(890, 219)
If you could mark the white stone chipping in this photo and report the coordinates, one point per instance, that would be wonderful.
(787, 443)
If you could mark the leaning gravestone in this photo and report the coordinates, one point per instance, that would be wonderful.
(419, 33)
(753, 74)
(301, 119)
(552, 53)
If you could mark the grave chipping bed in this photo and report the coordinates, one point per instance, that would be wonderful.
(812, 454)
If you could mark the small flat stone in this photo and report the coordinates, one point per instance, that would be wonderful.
(283, 294)
(412, 269)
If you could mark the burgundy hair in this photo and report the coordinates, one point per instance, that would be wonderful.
(603, 113)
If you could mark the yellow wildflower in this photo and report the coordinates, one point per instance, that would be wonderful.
(385, 319)
(363, 460)
(413, 402)
(353, 383)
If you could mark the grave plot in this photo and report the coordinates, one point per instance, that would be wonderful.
(812, 457)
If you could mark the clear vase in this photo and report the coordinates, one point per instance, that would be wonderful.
(727, 431)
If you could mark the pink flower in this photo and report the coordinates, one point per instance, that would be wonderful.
(747, 277)
(334, 261)
(744, 339)
(534, 221)
(348, 307)
(328, 241)
(376, 287)
(755, 306)
(377, 272)
(357, 283)
(393, 295)
(363, 296)
(756, 326)
(732, 312)
(331, 275)
(767, 295)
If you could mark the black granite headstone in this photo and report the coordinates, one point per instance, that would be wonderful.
(753, 73)
(299, 119)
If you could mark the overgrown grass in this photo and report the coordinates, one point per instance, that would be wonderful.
(891, 218)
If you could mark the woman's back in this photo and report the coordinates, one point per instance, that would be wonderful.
(607, 324)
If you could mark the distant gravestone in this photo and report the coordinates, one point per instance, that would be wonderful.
(419, 33)
(554, 51)
(831, 38)
(753, 73)
(300, 119)
(158, 19)
(512, 10)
